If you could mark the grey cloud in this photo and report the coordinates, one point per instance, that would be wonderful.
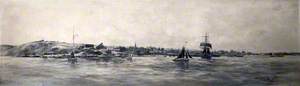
(254, 25)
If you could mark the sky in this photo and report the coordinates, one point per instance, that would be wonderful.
(249, 25)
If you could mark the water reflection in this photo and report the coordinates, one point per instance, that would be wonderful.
(105, 59)
(74, 66)
(182, 65)
(149, 71)
(113, 60)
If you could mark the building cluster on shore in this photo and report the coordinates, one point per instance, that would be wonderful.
(54, 48)
(48, 48)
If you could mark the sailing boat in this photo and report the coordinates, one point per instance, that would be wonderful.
(206, 46)
(72, 59)
(183, 56)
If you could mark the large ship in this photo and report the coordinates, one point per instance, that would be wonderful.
(206, 46)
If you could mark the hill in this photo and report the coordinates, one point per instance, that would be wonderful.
(36, 48)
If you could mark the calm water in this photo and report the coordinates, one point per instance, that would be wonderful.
(151, 71)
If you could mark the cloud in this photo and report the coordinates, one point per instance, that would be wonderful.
(254, 25)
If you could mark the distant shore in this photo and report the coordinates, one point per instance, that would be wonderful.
(57, 49)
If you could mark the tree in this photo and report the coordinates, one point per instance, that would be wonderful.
(123, 49)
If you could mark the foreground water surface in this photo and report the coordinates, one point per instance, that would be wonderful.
(151, 71)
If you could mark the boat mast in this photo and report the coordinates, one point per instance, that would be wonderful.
(206, 43)
(73, 59)
(73, 38)
(206, 38)
(186, 50)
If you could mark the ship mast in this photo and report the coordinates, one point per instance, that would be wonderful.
(206, 46)
(73, 42)
(73, 59)
(206, 38)
(206, 43)
(73, 39)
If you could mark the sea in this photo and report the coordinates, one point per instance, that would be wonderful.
(151, 71)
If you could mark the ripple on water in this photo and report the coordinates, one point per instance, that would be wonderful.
(253, 71)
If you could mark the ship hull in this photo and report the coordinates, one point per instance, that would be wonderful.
(181, 59)
(206, 57)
